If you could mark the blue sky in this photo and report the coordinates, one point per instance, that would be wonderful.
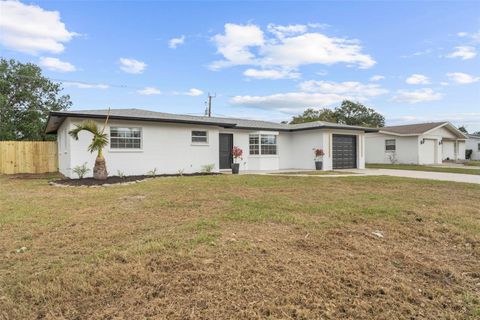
(412, 61)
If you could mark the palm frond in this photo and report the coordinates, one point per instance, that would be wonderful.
(99, 140)
(87, 125)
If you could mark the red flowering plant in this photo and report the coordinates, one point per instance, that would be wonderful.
(237, 153)
(318, 154)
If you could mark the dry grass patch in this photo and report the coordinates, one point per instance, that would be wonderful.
(241, 247)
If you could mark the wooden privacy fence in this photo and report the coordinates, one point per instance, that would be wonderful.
(28, 157)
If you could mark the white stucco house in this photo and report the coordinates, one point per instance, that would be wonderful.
(473, 143)
(141, 140)
(423, 143)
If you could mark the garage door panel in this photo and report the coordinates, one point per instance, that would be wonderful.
(344, 151)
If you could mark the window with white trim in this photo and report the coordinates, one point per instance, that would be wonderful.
(390, 145)
(479, 147)
(200, 137)
(263, 144)
(125, 138)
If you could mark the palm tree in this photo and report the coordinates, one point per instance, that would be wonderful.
(99, 141)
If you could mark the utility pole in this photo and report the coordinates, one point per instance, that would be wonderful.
(209, 109)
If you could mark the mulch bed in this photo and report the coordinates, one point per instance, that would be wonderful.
(122, 180)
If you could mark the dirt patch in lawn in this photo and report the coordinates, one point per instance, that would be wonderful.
(117, 180)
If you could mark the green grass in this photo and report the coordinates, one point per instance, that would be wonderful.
(315, 173)
(423, 168)
(473, 163)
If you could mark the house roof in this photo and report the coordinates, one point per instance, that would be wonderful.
(56, 118)
(418, 128)
(421, 128)
(473, 136)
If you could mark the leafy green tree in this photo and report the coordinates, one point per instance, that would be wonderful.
(463, 129)
(310, 115)
(356, 114)
(26, 98)
(351, 113)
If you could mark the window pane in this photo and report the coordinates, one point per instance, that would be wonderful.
(390, 145)
(269, 149)
(125, 138)
(200, 136)
(254, 144)
(199, 139)
(269, 139)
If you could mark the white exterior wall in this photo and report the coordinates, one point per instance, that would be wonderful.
(473, 144)
(168, 148)
(406, 148)
(64, 145)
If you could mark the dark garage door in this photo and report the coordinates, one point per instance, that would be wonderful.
(344, 151)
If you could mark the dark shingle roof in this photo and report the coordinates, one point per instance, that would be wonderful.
(418, 128)
(56, 118)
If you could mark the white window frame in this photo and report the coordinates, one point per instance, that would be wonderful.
(126, 149)
(206, 142)
(260, 153)
(394, 144)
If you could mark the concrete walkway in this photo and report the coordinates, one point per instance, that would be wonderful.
(443, 176)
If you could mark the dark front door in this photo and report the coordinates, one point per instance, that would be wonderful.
(226, 146)
(344, 151)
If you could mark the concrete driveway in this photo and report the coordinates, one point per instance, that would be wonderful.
(443, 176)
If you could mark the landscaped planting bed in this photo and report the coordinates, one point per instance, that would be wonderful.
(90, 182)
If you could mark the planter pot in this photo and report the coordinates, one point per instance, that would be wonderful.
(318, 165)
(235, 168)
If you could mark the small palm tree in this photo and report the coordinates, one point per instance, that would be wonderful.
(99, 141)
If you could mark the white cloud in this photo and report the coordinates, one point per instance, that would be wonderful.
(377, 78)
(286, 31)
(148, 91)
(291, 102)
(291, 47)
(55, 64)
(474, 36)
(273, 74)
(31, 29)
(175, 42)
(132, 66)
(312, 94)
(415, 96)
(462, 78)
(84, 85)
(463, 52)
(194, 92)
(349, 88)
(417, 79)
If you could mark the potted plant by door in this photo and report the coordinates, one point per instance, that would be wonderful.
(318, 158)
(237, 154)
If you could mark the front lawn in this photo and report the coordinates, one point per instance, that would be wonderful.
(256, 247)
(422, 168)
(473, 163)
(314, 173)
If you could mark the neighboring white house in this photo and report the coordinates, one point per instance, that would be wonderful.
(423, 143)
(141, 140)
(473, 143)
